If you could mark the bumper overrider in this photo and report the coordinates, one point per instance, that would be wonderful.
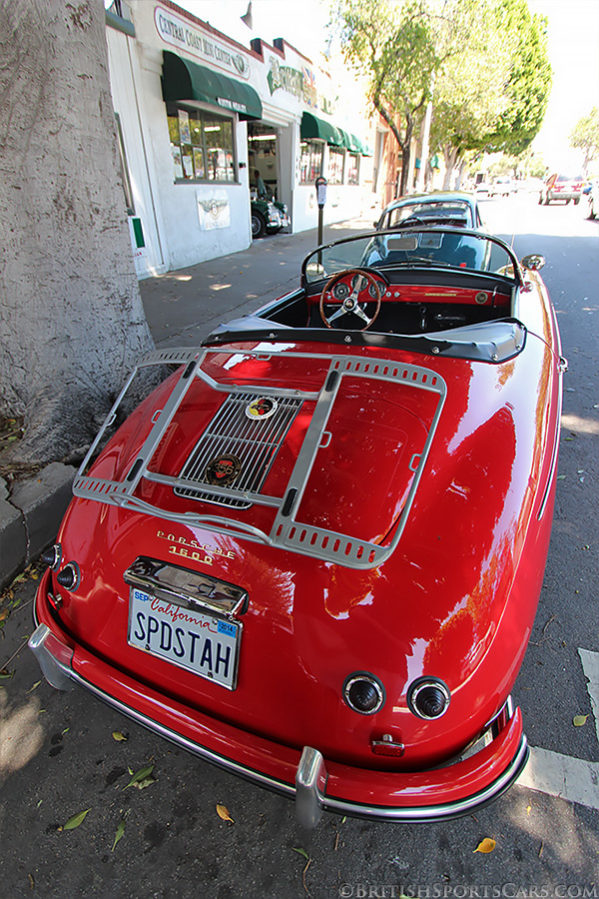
(439, 794)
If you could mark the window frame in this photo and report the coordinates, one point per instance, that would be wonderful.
(339, 177)
(206, 116)
(313, 145)
(348, 167)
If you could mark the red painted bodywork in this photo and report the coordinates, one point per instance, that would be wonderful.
(456, 600)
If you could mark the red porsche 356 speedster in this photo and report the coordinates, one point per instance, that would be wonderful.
(314, 553)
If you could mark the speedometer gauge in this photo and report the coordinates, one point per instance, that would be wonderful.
(340, 291)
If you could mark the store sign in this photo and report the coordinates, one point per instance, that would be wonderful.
(185, 36)
(301, 84)
(213, 210)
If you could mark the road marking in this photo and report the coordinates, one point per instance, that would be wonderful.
(575, 780)
(562, 776)
(590, 666)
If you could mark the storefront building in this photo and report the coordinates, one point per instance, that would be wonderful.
(211, 132)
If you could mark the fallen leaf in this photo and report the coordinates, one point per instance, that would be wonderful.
(142, 774)
(485, 846)
(561, 477)
(301, 852)
(6, 674)
(223, 812)
(304, 872)
(119, 833)
(142, 784)
(3, 614)
(35, 686)
(579, 720)
(31, 880)
(118, 736)
(76, 820)
(528, 808)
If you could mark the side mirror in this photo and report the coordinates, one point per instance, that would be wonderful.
(376, 224)
(534, 262)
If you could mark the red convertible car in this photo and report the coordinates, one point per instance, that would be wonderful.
(314, 553)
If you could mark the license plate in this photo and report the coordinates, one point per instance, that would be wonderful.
(200, 642)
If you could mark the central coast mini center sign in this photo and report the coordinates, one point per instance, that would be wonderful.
(201, 44)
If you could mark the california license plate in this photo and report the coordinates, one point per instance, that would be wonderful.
(192, 639)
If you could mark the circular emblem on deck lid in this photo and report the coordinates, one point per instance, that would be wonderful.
(222, 470)
(261, 408)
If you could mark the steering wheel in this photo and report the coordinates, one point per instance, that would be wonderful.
(360, 280)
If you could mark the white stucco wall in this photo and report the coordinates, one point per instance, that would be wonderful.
(124, 78)
(177, 227)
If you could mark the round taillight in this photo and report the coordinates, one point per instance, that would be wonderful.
(364, 693)
(69, 577)
(428, 697)
(52, 557)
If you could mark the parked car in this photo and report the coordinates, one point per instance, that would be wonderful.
(452, 208)
(503, 187)
(268, 216)
(313, 554)
(482, 189)
(561, 187)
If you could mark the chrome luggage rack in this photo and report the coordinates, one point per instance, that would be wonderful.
(286, 532)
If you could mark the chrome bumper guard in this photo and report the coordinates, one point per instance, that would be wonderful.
(55, 660)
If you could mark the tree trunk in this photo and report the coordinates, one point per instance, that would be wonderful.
(450, 155)
(71, 318)
(405, 162)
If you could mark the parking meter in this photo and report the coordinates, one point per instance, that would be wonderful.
(321, 198)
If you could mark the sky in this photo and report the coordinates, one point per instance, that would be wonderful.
(573, 32)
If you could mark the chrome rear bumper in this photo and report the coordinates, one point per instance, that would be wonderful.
(55, 659)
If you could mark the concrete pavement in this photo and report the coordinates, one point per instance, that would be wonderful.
(182, 307)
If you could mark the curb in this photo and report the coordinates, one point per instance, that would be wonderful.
(31, 515)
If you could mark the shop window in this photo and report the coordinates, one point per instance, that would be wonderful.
(201, 145)
(336, 160)
(311, 160)
(353, 168)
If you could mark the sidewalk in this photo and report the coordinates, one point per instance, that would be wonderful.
(182, 307)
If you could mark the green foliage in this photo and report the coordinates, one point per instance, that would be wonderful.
(483, 62)
(493, 95)
(529, 83)
(395, 46)
(585, 136)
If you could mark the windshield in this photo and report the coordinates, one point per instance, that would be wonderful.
(430, 248)
(425, 211)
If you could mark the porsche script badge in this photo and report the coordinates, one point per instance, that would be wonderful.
(222, 470)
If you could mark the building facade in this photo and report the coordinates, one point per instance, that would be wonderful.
(207, 127)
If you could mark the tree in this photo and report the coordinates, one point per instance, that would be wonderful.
(492, 96)
(585, 136)
(394, 45)
(529, 84)
(71, 318)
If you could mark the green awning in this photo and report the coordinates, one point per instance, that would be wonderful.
(312, 127)
(185, 80)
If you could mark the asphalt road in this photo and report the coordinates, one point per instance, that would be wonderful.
(58, 756)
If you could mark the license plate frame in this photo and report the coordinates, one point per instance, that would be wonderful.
(205, 642)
